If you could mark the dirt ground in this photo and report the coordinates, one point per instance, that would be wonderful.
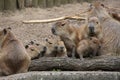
(39, 32)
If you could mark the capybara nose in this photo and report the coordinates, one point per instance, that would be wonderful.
(99, 46)
(53, 30)
(91, 29)
(61, 48)
(56, 47)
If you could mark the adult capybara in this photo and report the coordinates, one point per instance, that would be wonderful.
(111, 30)
(68, 34)
(72, 35)
(13, 56)
(91, 28)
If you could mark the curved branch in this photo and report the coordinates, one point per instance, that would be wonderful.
(53, 20)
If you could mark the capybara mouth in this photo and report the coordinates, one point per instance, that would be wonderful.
(91, 31)
(91, 34)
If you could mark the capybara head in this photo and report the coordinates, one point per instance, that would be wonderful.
(96, 41)
(60, 27)
(3, 34)
(98, 9)
(34, 49)
(93, 26)
(60, 47)
(57, 46)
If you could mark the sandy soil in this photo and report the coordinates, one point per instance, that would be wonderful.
(39, 32)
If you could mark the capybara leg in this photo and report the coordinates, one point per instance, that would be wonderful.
(81, 57)
(73, 53)
(25, 67)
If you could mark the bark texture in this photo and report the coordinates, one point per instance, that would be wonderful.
(64, 76)
(66, 64)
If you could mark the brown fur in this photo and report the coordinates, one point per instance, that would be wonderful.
(88, 47)
(85, 32)
(111, 30)
(91, 37)
(55, 49)
(115, 13)
(35, 50)
(68, 34)
(13, 56)
(72, 35)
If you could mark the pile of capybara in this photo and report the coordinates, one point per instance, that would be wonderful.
(99, 35)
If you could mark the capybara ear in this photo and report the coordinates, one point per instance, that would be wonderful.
(62, 24)
(46, 40)
(32, 42)
(5, 31)
(102, 5)
(26, 46)
(37, 44)
(9, 28)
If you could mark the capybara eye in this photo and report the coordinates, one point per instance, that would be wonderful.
(37, 44)
(5, 31)
(97, 22)
(63, 24)
(26, 46)
(49, 42)
(46, 39)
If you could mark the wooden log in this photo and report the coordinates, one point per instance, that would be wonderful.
(50, 3)
(42, 3)
(20, 4)
(1, 5)
(105, 64)
(35, 3)
(28, 3)
(70, 75)
(57, 2)
(10, 5)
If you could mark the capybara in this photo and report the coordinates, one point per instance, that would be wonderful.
(35, 50)
(13, 57)
(88, 47)
(55, 49)
(111, 30)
